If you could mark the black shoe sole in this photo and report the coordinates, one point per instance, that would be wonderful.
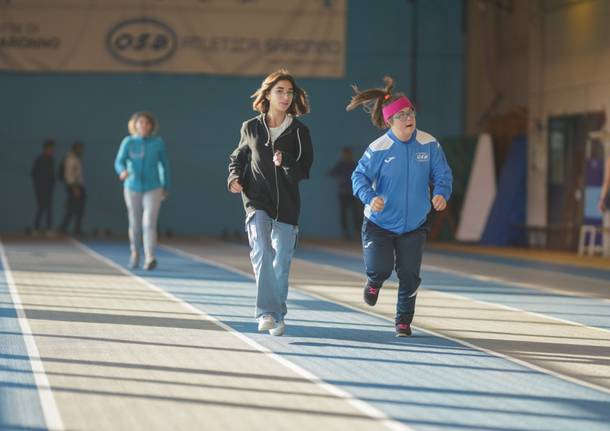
(370, 302)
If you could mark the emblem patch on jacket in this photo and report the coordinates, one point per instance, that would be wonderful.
(422, 157)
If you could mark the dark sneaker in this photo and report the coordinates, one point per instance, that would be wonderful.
(371, 293)
(149, 266)
(403, 329)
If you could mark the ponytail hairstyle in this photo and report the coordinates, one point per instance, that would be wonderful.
(300, 101)
(374, 100)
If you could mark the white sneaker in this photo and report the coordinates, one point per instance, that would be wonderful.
(279, 330)
(266, 322)
(134, 260)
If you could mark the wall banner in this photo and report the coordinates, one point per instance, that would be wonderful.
(225, 37)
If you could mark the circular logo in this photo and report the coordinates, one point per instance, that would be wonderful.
(141, 42)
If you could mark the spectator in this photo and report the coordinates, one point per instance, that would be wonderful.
(349, 206)
(43, 177)
(75, 188)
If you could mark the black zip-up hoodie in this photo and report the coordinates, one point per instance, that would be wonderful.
(274, 189)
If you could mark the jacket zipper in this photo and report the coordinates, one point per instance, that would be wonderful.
(143, 163)
(277, 187)
(300, 146)
(407, 186)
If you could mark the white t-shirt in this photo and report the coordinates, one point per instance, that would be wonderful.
(275, 132)
(73, 170)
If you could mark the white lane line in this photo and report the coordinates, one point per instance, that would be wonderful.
(520, 310)
(481, 277)
(50, 410)
(359, 405)
(519, 284)
(431, 288)
(428, 331)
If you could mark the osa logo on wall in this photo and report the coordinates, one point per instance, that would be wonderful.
(141, 42)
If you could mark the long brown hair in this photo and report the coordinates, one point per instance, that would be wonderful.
(373, 100)
(300, 101)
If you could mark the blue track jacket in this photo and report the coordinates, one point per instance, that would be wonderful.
(402, 173)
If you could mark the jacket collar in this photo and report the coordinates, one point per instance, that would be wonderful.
(395, 138)
(289, 129)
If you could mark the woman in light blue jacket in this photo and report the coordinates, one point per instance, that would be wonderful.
(142, 165)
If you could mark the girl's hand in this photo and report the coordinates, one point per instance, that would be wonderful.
(439, 203)
(277, 158)
(235, 187)
(123, 175)
(377, 204)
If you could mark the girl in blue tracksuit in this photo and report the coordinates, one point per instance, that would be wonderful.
(142, 165)
(400, 177)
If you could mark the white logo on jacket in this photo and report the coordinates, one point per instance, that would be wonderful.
(389, 159)
(422, 157)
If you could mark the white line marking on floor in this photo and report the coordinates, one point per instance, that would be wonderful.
(360, 405)
(520, 284)
(428, 331)
(481, 277)
(478, 301)
(430, 287)
(50, 410)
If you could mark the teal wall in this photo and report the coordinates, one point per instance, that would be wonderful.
(200, 117)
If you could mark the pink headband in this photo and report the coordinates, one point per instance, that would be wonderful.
(401, 103)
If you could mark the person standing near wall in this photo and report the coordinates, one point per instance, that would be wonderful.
(274, 154)
(75, 188)
(394, 179)
(143, 166)
(604, 207)
(43, 177)
(349, 206)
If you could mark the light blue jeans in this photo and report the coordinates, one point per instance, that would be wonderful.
(272, 245)
(143, 212)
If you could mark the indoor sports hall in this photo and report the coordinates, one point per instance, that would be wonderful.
(305, 214)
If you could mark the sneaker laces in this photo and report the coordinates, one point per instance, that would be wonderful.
(373, 290)
(403, 326)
